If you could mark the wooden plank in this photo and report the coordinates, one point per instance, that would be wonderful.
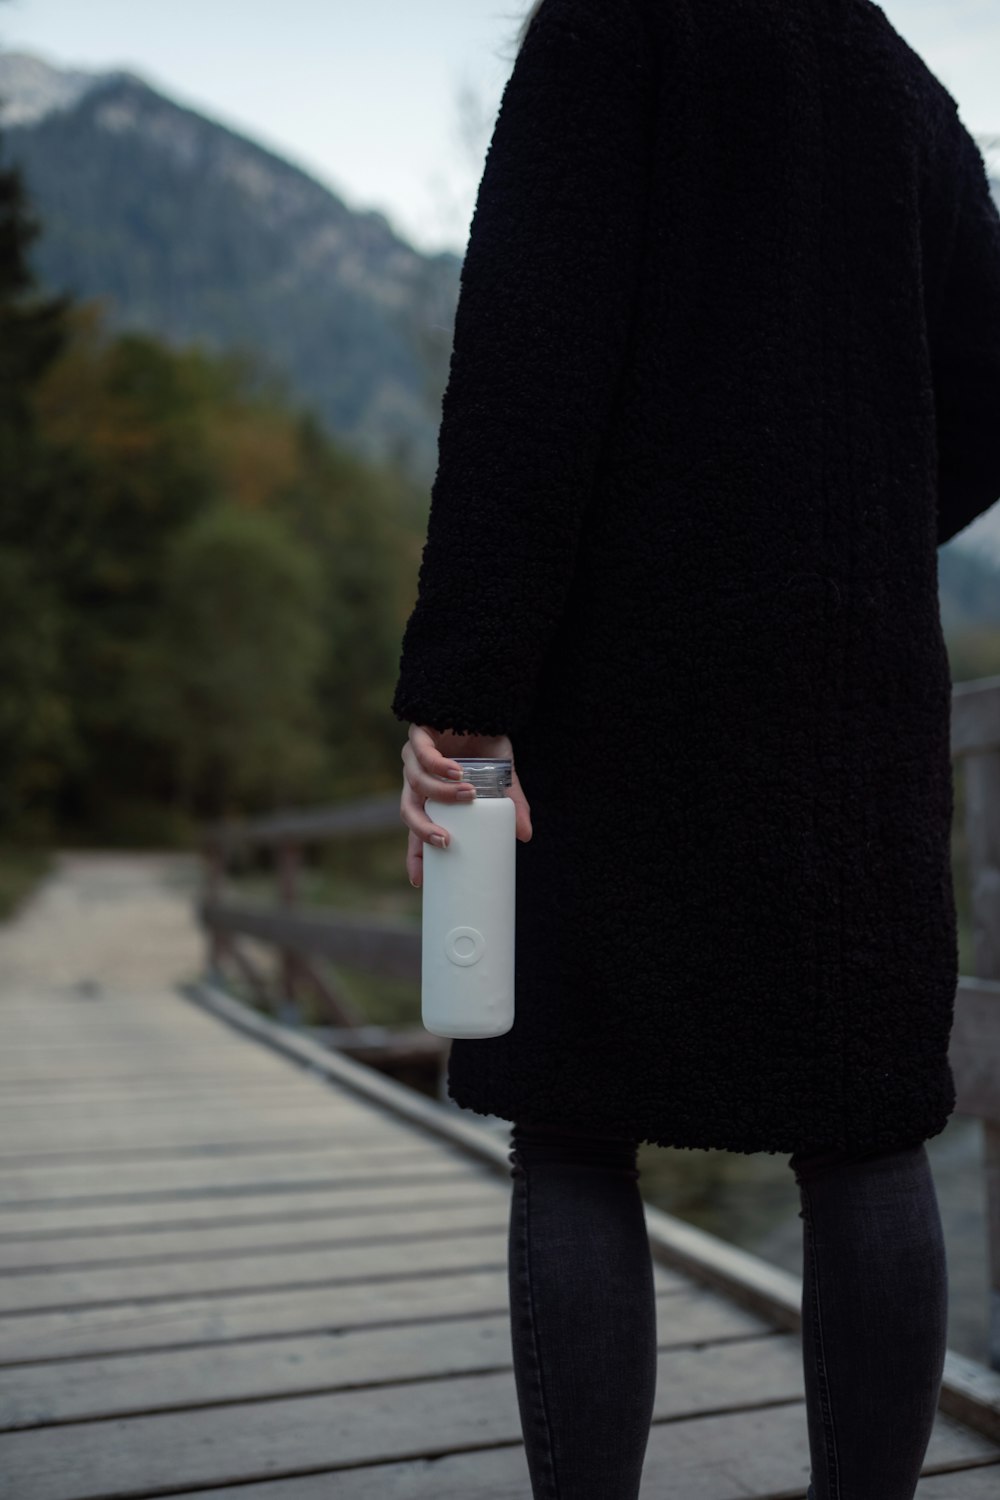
(82, 1136)
(191, 1061)
(208, 1045)
(421, 1419)
(86, 1029)
(153, 1060)
(75, 1390)
(84, 1040)
(165, 1279)
(486, 1208)
(221, 1103)
(107, 1070)
(163, 1093)
(137, 1326)
(86, 1052)
(150, 1215)
(66, 1038)
(264, 1173)
(92, 1000)
(116, 1046)
(322, 1135)
(192, 1138)
(145, 1005)
(965, 1484)
(70, 1040)
(754, 1455)
(77, 1016)
(183, 1119)
(111, 1040)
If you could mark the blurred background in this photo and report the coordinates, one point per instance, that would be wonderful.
(230, 243)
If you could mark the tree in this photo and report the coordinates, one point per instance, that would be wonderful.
(33, 332)
(37, 739)
(229, 681)
(35, 730)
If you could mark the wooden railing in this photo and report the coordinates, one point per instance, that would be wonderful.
(310, 942)
(302, 937)
(974, 1050)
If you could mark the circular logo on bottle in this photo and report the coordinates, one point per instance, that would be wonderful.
(464, 945)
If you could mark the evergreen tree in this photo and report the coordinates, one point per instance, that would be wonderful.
(33, 332)
(34, 727)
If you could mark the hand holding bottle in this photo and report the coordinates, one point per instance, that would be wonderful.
(429, 771)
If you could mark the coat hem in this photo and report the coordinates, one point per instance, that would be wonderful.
(896, 1136)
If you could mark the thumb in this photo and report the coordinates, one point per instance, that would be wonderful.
(522, 822)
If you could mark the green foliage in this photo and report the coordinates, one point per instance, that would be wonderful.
(32, 334)
(22, 866)
(974, 653)
(367, 547)
(231, 585)
(204, 594)
(36, 729)
(228, 685)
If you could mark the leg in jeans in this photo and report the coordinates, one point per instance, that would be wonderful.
(874, 1319)
(583, 1312)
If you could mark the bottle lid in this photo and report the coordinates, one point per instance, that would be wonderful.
(489, 776)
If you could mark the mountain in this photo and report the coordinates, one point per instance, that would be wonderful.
(195, 233)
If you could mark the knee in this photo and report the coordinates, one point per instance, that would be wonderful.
(807, 1167)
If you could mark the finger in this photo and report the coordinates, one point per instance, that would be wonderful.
(522, 819)
(427, 783)
(429, 756)
(411, 810)
(415, 860)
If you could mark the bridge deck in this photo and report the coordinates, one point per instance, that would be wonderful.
(222, 1276)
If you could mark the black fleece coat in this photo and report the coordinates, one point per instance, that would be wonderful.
(725, 373)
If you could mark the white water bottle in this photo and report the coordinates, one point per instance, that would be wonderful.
(467, 956)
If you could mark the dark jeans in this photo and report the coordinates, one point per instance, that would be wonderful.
(583, 1315)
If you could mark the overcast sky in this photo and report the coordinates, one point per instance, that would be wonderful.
(364, 94)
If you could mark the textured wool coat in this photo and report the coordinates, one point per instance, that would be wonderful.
(725, 373)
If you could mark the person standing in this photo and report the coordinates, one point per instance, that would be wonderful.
(725, 374)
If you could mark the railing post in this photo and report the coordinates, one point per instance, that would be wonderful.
(982, 816)
(214, 874)
(289, 860)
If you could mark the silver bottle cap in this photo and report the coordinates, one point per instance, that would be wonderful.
(489, 777)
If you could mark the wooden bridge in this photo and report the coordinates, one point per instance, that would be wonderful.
(235, 1262)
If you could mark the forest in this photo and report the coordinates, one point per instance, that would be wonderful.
(204, 593)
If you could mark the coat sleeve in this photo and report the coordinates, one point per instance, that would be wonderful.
(964, 337)
(542, 321)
